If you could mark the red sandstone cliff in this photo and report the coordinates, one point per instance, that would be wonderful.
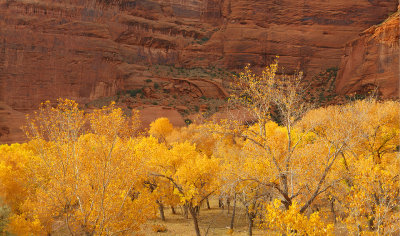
(372, 60)
(87, 49)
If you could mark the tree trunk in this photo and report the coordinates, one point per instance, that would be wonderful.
(228, 204)
(220, 203)
(371, 225)
(173, 210)
(233, 212)
(194, 217)
(86, 233)
(185, 212)
(250, 231)
(197, 210)
(285, 191)
(208, 204)
(250, 217)
(161, 209)
(333, 209)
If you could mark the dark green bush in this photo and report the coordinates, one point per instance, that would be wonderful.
(134, 92)
(188, 121)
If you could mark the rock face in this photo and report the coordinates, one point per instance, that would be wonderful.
(88, 49)
(10, 124)
(307, 35)
(372, 61)
(151, 113)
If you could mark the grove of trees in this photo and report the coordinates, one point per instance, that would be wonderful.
(296, 170)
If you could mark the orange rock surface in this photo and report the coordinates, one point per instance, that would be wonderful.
(88, 49)
(150, 113)
(372, 60)
(10, 124)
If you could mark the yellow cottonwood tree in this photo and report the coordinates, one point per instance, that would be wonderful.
(194, 175)
(86, 172)
(17, 185)
(292, 222)
(259, 94)
(15, 174)
(161, 188)
(372, 169)
(198, 134)
(244, 169)
(161, 128)
(300, 155)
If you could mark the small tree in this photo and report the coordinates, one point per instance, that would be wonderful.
(161, 128)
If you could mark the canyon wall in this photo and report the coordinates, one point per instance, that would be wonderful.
(371, 62)
(85, 49)
(88, 49)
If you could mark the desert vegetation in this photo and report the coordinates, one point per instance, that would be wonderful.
(295, 169)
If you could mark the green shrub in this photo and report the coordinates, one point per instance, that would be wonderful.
(203, 40)
(188, 121)
(134, 92)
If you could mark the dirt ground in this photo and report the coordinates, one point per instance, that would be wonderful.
(214, 221)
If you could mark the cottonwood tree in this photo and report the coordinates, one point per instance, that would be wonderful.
(161, 128)
(162, 189)
(198, 134)
(242, 171)
(293, 222)
(86, 173)
(16, 185)
(371, 168)
(194, 176)
(299, 159)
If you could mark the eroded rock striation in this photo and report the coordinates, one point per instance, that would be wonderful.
(371, 62)
(88, 49)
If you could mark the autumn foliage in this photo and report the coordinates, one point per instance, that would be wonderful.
(295, 170)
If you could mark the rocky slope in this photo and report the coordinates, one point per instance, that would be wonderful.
(372, 61)
(90, 49)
